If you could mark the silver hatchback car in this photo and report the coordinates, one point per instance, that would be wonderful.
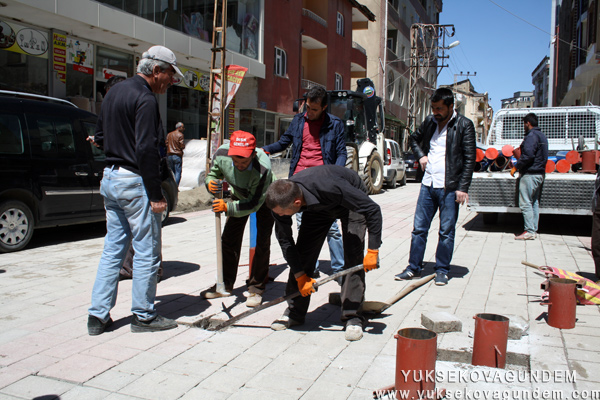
(394, 169)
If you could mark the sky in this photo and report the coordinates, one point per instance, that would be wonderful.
(502, 40)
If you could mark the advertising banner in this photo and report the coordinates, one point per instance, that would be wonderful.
(193, 80)
(21, 39)
(59, 56)
(81, 55)
(235, 75)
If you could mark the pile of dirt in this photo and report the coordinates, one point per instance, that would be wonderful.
(194, 200)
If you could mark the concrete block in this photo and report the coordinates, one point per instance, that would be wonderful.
(441, 321)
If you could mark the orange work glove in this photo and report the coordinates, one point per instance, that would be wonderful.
(215, 186)
(219, 205)
(371, 260)
(305, 285)
(513, 170)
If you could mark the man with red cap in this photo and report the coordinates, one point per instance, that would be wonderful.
(247, 170)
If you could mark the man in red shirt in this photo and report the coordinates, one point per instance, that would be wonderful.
(317, 138)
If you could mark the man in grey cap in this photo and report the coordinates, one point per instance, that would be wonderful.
(129, 129)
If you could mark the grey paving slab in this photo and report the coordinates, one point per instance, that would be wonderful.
(37, 386)
(46, 290)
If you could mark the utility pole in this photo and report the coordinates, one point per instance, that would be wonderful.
(426, 41)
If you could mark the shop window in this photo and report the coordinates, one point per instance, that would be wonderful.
(280, 62)
(189, 106)
(23, 73)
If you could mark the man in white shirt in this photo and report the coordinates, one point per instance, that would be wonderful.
(444, 144)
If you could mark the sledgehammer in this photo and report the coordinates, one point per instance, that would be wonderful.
(278, 300)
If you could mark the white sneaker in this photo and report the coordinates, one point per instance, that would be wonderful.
(253, 300)
(353, 333)
(284, 322)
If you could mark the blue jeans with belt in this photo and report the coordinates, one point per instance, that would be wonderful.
(129, 219)
(430, 201)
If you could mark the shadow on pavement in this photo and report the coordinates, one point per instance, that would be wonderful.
(177, 268)
(66, 234)
(566, 225)
(174, 221)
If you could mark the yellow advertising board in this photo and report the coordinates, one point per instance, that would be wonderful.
(193, 80)
(21, 39)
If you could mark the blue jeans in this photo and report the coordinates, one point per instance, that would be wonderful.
(335, 243)
(175, 164)
(530, 191)
(129, 219)
(430, 201)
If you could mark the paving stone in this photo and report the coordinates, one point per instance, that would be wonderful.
(78, 368)
(36, 386)
(441, 321)
(112, 380)
(160, 385)
(83, 392)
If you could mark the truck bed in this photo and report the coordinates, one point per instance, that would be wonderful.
(497, 192)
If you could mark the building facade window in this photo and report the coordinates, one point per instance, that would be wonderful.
(394, 3)
(195, 18)
(280, 62)
(339, 27)
(24, 58)
(392, 40)
(339, 83)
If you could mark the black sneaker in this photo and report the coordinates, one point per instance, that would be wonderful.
(407, 275)
(157, 324)
(96, 327)
(441, 279)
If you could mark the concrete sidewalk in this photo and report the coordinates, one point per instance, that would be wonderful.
(45, 351)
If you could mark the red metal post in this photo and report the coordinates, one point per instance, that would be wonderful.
(490, 340)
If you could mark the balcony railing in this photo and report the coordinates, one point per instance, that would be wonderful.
(359, 48)
(312, 15)
(306, 84)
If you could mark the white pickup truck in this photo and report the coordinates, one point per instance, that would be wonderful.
(566, 128)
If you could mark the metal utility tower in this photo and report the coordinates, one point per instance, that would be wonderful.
(427, 46)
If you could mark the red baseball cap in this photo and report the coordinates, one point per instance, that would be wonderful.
(241, 144)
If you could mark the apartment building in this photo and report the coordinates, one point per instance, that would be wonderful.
(388, 62)
(69, 48)
(575, 53)
(307, 43)
(539, 78)
(522, 99)
(473, 105)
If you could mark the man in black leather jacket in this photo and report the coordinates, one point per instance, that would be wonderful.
(444, 144)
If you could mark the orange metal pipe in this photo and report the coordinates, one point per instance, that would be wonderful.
(562, 303)
(490, 340)
(416, 353)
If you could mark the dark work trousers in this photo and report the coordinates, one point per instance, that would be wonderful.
(311, 237)
(231, 242)
(596, 240)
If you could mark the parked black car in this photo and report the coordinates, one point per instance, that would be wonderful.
(49, 174)
(413, 170)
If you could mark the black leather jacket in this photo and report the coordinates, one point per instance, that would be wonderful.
(460, 149)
